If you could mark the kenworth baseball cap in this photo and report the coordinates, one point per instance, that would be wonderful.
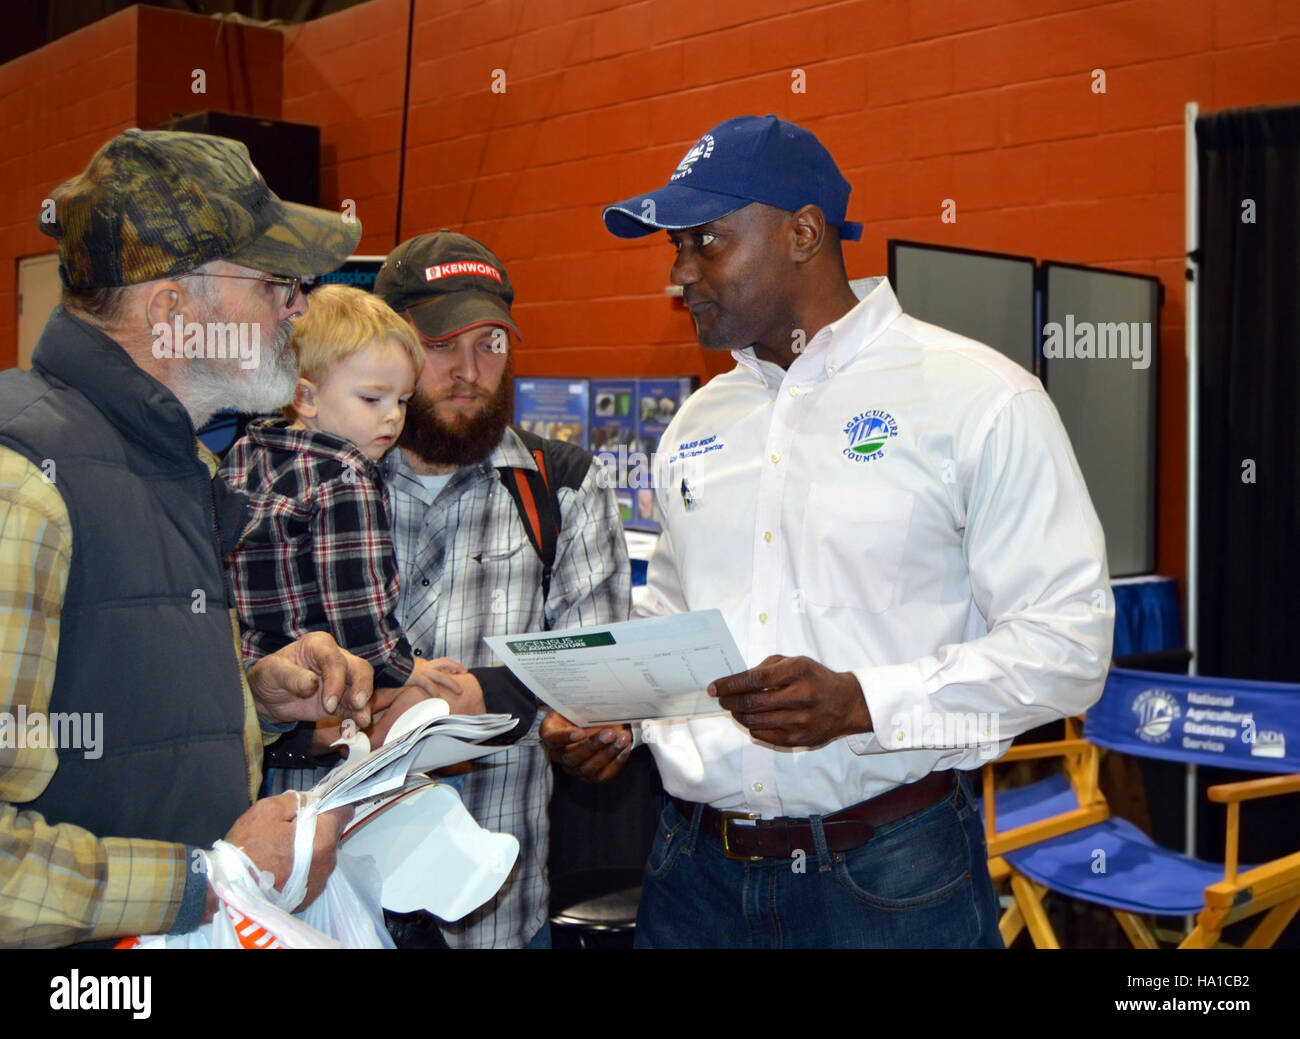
(746, 159)
(445, 283)
(156, 203)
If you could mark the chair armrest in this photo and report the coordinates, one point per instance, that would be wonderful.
(1030, 751)
(1250, 789)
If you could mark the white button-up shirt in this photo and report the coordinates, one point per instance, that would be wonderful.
(902, 503)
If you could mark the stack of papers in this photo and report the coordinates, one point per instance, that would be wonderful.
(424, 738)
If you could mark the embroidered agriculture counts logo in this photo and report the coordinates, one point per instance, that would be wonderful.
(867, 434)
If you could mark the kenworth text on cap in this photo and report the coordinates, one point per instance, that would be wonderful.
(153, 204)
(746, 159)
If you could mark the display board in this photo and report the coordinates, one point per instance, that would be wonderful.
(986, 296)
(1100, 343)
(619, 420)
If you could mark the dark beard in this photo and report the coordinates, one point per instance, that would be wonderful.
(433, 441)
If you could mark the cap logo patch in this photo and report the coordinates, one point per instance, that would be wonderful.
(449, 270)
(702, 150)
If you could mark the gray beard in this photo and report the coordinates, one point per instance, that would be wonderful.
(219, 385)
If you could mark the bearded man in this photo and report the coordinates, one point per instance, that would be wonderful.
(468, 564)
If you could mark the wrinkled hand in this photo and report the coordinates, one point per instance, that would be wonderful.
(597, 754)
(794, 702)
(312, 679)
(265, 834)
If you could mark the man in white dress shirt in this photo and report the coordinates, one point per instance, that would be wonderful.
(892, 522)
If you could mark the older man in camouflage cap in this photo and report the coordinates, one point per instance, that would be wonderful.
(113, 609)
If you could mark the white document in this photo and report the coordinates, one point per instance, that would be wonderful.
(653, 668)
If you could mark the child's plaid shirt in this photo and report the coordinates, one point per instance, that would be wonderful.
(317, 550)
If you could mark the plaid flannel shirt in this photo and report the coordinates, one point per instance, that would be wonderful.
(317, 552)
(467, 569)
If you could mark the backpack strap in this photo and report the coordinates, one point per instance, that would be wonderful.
(536, 492)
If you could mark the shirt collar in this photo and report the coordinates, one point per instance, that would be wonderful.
(838, 343)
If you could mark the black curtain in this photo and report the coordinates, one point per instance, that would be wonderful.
(1248, 548)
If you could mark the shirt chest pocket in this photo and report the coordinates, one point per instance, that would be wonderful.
(499, 553)
(852, 546)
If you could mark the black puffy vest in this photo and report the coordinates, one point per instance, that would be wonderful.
(133, 643)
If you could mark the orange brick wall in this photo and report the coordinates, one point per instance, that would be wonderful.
(52, 126)
(345, 73)
(135, 68)
(988, 104)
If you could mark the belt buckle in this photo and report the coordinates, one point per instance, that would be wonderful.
(726, 846)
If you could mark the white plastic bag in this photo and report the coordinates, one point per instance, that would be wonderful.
(348, 910)
(253, 915)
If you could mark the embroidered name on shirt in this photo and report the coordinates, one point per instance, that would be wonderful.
(867, 435)
(697, 447)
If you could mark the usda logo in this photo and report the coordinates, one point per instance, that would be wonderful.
(1156, 711)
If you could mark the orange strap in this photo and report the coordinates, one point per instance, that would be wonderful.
(530, 507)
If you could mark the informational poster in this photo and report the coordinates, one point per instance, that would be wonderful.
(658, 401)
(553, 408)
(614, 437)
(621, 421)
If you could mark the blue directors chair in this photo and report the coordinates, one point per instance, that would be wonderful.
(1058, 835)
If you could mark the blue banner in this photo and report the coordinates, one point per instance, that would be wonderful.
(1221, 722)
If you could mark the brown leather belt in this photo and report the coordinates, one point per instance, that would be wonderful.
(845, 830)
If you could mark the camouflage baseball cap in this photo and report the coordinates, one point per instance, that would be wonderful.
(153, 204)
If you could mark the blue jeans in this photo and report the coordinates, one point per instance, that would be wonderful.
(922, 881)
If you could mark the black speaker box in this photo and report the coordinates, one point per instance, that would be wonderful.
(286, 154)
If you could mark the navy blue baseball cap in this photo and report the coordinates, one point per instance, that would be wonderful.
(746, 159)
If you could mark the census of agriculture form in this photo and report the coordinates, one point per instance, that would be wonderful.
(658, 667)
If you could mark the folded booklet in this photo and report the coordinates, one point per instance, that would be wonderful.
(426, 737)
